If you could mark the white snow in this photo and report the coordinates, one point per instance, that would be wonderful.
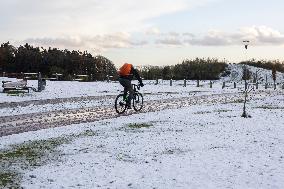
(202, 146)
(198, 147)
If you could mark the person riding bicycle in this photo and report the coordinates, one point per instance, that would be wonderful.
(126, 73)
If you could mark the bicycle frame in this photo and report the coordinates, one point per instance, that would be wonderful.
(138, 98)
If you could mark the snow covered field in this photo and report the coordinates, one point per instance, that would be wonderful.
(204, 146)
(71, 94)
(201, 146)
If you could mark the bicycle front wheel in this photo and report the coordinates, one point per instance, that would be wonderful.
(137, 101)
(120, 104)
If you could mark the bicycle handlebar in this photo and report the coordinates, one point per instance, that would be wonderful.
(136, 86)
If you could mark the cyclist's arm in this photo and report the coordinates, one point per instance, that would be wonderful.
(137, 76)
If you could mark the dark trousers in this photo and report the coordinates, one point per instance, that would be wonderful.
(126, 83)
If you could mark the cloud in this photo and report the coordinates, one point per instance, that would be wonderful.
(153, 31)
(169, 41)
(261, 35)
(89, 17)
(22, 19)
(99, 43)
(257, 35)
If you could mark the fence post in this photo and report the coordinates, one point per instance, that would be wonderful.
(210, 84)
(157, 81)
(235, 85)
(224, 84)
(266, 84)
(184, 82)
(197, 83)
(171, 82)
(108, 78)
(39, 82)
(3, 74)
(256, 85)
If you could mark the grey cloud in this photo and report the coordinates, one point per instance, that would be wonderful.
(169, 41)
(210, 41)
(175, 34)
(188, 35)
(139, 43)
(98, 42)
(58, 42)
(258, 35)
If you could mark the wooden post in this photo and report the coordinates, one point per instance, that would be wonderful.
(224, 84)
(184, 83)
(235, 85)
(197, 83)
(107, 78)
(39, 82)
(157, 81)
(171, 82)
(274, 77)
(266, 85)
(256, 85)
(210, 84)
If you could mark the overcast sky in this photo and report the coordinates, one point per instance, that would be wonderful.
(155, 32)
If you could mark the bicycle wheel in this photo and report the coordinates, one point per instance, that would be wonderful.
(120, 104)
(137, 101)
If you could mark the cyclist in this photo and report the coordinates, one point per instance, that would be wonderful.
(126, 73)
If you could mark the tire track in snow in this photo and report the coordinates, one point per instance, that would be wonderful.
(36, 121)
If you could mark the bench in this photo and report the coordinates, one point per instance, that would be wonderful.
(20, 85)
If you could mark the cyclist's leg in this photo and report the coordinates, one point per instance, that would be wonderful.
(131, 92)
(126, 83)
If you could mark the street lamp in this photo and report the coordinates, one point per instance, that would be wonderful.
(246, 44)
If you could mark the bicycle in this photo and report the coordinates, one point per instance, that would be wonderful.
(121, 99)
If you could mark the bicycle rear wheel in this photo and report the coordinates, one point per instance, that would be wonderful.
(120, 104)
(137, 101)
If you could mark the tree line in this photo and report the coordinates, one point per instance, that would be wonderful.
(266, 64)
(190, 69)
(29, 59)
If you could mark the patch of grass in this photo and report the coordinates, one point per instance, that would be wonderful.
(139, 125)
(30, 155)
(87, 133)
(236, 101)
(270, 107)
(219, 111)
(124, 157)
(202, 112)
(8, 180)
(175, 151)
(16, 92)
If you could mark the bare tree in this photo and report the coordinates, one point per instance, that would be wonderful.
(246, 92)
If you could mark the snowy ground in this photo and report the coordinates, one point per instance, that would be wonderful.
(74, 95)
(71, 94)
(198, 147)
(201, 146)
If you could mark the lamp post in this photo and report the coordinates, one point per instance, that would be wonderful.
(246, 44)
